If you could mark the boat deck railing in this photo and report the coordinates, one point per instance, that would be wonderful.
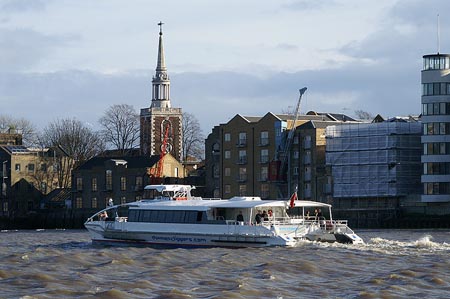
(321, 222)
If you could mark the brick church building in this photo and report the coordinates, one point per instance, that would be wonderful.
(160, 120)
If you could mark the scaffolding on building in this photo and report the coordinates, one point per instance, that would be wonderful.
(370, 160)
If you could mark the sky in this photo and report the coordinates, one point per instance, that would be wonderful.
(75, 58)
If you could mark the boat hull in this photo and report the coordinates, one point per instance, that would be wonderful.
(167, 238)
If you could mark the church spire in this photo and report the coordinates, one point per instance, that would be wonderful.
(161, 82)
(161, 64)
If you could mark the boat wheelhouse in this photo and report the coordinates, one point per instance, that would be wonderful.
(170, 216)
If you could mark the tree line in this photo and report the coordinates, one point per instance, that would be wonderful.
(119, 129)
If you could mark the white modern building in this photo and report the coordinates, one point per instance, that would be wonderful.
(436, 128)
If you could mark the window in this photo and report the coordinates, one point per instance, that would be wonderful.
(216, 171)
(17, 167)
(94, 203)
(264, 173)
(79, 184)
(296, 154)
(94, 184)
(242, 138)
(242, 190)
(264, 190)
(242, 174)
(44, 167)
(31, 167)
(227, 171)
(108, 180)
(5, 206)
(123, 200)
(264, 156)
(295, 140)
(307, 142)
(227, 137)
(264, 138)
(227, 154)
(79, 203)
(138, 183)
(242, 157)
(227, 189)
(123, 183)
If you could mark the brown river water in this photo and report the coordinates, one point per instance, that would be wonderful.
(64, 264)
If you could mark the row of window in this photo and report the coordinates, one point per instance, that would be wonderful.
(436, 128)
(108, 183)
(436, 63)
(436, 148)
(264, 157)
(263, 193)
(264, 138)
(435, 89)
(95, 202)
(436, 188)
(436, 168)
(30, 167)
(264, 173)
(436, 109)
(162, 216)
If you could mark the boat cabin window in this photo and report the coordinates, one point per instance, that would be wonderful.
(309, 213)
(163, 216)
(155, 194)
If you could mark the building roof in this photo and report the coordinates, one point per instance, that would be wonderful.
(15, 149)
(316, 124)
(131, 161)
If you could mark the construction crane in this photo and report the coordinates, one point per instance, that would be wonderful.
(156, 174)
(283, 152)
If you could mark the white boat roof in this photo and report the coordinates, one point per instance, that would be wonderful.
(161, 188)
(235, 202)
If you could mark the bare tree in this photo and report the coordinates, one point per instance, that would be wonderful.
(120, 127)
(193, 139)
(20, 125)
(76, 142)
(363, 115)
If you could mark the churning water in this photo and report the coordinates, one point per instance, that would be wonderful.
(64, 264)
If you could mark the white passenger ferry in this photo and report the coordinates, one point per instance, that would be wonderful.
(169, 216)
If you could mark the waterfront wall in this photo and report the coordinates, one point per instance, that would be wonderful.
(398, 219)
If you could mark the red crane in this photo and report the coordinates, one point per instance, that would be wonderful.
(157, 173)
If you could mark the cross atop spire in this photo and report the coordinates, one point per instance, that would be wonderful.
(160, 27)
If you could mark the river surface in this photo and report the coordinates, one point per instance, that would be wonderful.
(64, 264)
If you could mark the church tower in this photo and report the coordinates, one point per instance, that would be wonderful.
(161, 121)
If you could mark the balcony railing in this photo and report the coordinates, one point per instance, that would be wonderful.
(264, 159)
(263, 142)
(241, 143)
(263, 178)
(307, 177)
(242, 160)
(307, 144)
(307, 159)
(242, 178)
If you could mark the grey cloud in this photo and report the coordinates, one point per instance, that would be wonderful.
(213, 97)
(390, 43)
(308, 4)
(21, 5)
(288, 47)
(23, 48)
(421, 13)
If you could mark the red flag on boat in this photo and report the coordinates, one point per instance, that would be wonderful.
(292, 199)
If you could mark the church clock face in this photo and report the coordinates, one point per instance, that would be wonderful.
(169, 148)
